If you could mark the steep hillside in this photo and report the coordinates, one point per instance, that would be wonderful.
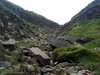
(86, 24)
(90, 29)
(10, 24)
(27, 25)
(86, 27)
(19, 24)
(89, 12)
(29, 16)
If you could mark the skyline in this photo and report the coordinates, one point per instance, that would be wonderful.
(59, 11)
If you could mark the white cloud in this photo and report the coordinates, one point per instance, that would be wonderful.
(60, 11)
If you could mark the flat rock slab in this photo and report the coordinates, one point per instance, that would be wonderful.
(38, 52)
(41, 57)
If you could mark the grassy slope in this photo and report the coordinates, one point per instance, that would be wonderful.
(88, 57)
(91, 29)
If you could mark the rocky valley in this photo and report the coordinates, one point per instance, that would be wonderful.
(31, 44)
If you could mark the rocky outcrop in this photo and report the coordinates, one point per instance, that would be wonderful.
(41, 57)
(84, 40)
(65, 69)
(36, 51)
(9, 44)
(63, 41)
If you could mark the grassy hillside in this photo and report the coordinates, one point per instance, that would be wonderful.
(88, 57)
(90, 28)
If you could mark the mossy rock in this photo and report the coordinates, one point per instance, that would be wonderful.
(72, 53)
(77, 54)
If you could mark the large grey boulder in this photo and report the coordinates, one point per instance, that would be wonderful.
(62, 41)
(37, 54)
(36, 51)
(42, 57)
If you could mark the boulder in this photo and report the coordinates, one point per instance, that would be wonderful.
(4, 64)
(65, 68)
(30, 69)
(59, 42)
(62, 41)
(9, 44)
(84, 40)
(42, 57)
(47, 69)
(37, 54)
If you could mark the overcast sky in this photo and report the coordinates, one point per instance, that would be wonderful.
(60, 11)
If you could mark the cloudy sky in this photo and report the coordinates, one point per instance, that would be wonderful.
(60, 11)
